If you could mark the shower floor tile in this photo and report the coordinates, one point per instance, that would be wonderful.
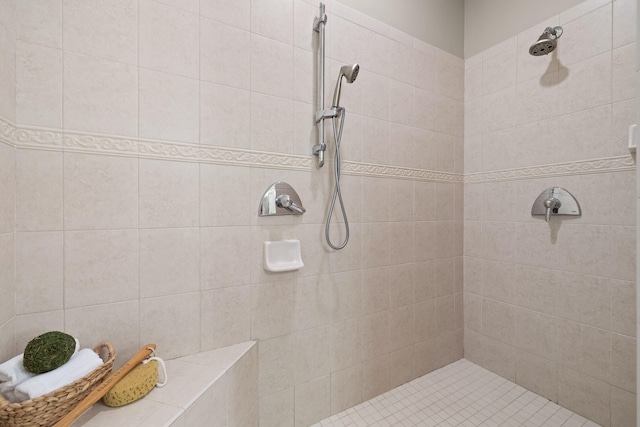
(460, 394)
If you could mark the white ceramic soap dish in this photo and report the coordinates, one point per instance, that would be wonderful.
(283, 255)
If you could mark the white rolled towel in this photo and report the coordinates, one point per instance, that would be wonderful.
(12, 373)
(78, 366)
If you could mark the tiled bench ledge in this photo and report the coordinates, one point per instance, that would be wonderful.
(213, 388)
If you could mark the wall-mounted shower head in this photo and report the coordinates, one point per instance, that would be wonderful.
(350, 72)
(547, 42)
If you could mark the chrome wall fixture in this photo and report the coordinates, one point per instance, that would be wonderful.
(318, 26)
(547, 42)
(555, 201)
(337, 115)
(280, 199)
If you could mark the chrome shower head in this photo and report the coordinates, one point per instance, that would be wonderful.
(547, 42)
(350, 72)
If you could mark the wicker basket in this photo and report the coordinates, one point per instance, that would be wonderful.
(48, 409)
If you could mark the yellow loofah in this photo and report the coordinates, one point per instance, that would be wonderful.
(135, 385)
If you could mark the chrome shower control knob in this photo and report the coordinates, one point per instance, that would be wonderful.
(283, 201)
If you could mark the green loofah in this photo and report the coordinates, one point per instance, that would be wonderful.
(48, 352)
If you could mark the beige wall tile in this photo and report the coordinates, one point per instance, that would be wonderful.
(315, 302)
(585, 299)
(585, 249)
(499, 358)
(346, 344)
(449, 347)
(169, 261)
(274, 21)
(100, 192)
(623, 408)
(312, 354)
(401, 366)
(376, 245)
(268, 54)
(123, 331)
(375, 377)
(424, 280)
(498, 320)
(312, 401)
(38, 85)
(40, 22)
(100, 267)
(224, 257)
(113, 105)
(38, 172)
(346, 388)
(347, 288)
(473, 346)
(28, 326)
(109, 32)
(583, 85)
(425, 320)
(276, 364)
(584, 349)
(267, 135)
(38, 272)
(277, 410)
(163, 320)
(225, 51)
(272, 309)
(582, 41)
(445, 314)
(168, 39)
(401, 289)
(537, 333)
(168, 107)
(623, 189)
(425, 354)
(225, 114)
(168, 194)
(236, 14)
(624, 23)
(243, 389)
(623, 260)
(537, 374)
(7, 337)
(225, 316)
(401, 330)
(623, 297)
(376, 290)
(623, 362)
(400, 242)
(374, 330)
(585, 395)
(445, 280)
(211, 407)
(499, 281)
(536, 289)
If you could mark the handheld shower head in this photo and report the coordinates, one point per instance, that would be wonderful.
(348, 71)
(547, 42)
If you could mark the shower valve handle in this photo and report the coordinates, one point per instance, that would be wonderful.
(284, 201)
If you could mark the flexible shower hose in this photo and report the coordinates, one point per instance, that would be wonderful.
(337, 193)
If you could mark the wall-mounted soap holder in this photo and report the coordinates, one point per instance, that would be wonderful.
(555, 201)
(280, 199)
(283, 255)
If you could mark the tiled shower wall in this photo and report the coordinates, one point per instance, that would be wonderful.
(7, 179)
(552, 306)
(146, 133)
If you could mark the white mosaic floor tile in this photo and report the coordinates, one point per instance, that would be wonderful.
(460, 394)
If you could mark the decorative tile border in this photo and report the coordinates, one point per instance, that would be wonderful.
(610, 164)
(7, 132)
(82, 142)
